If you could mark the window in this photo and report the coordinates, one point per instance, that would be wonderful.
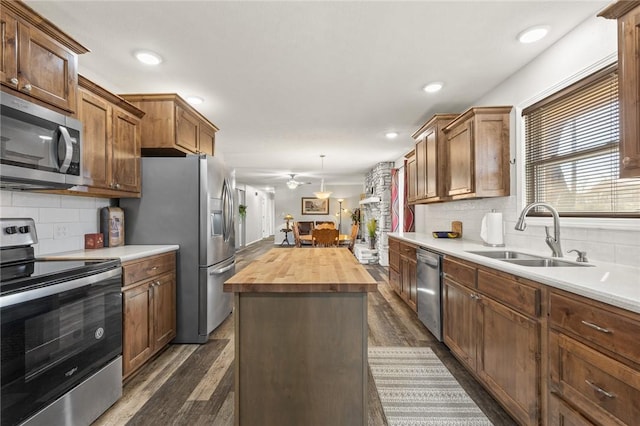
(571, 149)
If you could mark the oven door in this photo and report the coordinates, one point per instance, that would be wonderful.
(55, 336)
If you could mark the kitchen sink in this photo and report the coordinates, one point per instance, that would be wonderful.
(505, 254)
(543, 262)
(525, 259)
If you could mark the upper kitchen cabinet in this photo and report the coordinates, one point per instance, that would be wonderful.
(410, 175)
(171, 127)
(38, 61)
(431, 159)
(628, 15)
(111, 142)
(477, 149)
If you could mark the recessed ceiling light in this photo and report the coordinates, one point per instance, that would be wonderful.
(533, 34)
(195, 100)
(391, 135)
(148, 58)
(433, 87)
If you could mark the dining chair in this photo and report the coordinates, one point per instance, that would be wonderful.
(296, 234)
(325, 237)
(354, 235)
(325, 225)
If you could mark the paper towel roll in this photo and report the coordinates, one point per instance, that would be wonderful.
(492, 229)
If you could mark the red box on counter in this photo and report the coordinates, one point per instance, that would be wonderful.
(93, 241)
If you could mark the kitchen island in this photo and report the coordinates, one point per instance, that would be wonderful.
(301, 338)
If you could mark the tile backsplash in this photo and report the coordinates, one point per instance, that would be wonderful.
(61, 220)
(621, 246)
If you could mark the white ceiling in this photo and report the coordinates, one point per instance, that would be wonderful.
(288, 81)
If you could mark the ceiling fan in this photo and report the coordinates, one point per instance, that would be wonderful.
(293, 183)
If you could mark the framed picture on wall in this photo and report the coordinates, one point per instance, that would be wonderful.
(312, 205)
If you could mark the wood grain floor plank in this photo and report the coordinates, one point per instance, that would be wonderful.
(214, 375)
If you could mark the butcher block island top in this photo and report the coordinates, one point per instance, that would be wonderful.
(300, 318)
(303, 270)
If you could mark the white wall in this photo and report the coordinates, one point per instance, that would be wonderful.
(61, 220)
(586, 48)
(289, 201)
(259, 214)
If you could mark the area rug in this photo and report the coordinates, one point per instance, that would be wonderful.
(415, 388)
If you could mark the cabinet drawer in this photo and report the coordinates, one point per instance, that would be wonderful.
(394, 244)
(518, 296)
(611, 330)
(148, 267)
(407, 250)
(459, 272)
(560, 414)
(601, 387)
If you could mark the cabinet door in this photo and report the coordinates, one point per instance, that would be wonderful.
(508, 356)
(125, 152)
(629, 81)
(95, 114)
(431, 172)
(460, 154)
(8, 54)
(46, 70)
(410, 176)
(164, 309)
(186, 130)
(459, 307)
(137, 342)
(421, 169)
(207, 139)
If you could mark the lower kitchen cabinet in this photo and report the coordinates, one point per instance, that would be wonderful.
(403, 271)
(489, 327)
(149, 309)
(594, 361)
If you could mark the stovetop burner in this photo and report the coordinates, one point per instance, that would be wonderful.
(22, 271)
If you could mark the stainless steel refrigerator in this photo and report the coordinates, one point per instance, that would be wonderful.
(189, 201)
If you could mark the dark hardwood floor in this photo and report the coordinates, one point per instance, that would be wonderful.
(193, 384)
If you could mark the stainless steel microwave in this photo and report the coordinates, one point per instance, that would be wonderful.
(39, 148)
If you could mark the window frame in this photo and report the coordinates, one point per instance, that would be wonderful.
(542, 218)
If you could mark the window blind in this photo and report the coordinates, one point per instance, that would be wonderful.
(571, 149)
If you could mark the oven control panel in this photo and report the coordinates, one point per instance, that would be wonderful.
(17, 232)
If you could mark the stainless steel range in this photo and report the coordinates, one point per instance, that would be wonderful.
(61, 333)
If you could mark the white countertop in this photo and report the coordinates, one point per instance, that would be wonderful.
(124, 253)
(610, 283)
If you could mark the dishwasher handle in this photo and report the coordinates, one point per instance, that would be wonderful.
(429, 259)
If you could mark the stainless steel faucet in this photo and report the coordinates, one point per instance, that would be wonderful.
(552, 242)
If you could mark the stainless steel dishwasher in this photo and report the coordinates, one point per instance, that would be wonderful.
(430, 290)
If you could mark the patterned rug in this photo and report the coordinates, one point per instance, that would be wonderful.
(415, 388)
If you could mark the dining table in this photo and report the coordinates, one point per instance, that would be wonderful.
(342, 238)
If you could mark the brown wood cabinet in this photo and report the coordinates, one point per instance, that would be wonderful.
(594, 360)
(111, 142)
(410, 171)
(38, 61)
(477, 143)
(628, 15)
(149, 309)
(431, 160)
(172, 127)
(403, 271)
(492, 324)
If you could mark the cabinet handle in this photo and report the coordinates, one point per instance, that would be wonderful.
(154, 268)
(599, 389)
(14, 80)
(117, 186)
(626, 161)
(596, 327)
(27, 87)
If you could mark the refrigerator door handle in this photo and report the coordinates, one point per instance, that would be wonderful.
(222, 270)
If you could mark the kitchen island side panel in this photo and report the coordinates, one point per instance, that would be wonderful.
(301, 358)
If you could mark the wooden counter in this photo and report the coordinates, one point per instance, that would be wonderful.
(301, 338)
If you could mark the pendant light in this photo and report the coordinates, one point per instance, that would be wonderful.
(323, 195)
